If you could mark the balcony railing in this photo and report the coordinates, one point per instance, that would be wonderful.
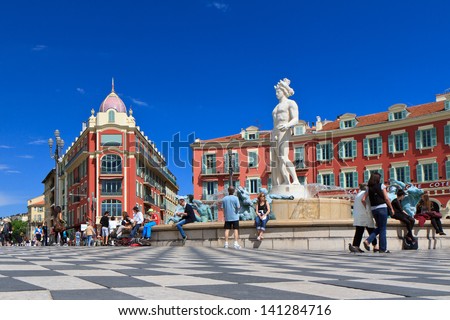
(219, 171)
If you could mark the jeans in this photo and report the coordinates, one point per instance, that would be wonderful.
(437, 224)
(180, 227)
(135, 230)
(380, 215)
(359, 231)
(407, 220)
(147, 232)
(261, 224)
(88, 240)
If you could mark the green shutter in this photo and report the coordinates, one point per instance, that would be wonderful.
(342, 180)
(447, 169)
(433, 137)
(447, 105)
(205, 188)
(418, 139)
(332, 181)
(405, 141)
(216, 187)
(366, 147)
(353, 123)
(392, 175)
(379, 145)
(319, 179)
(269, 184)
(236, 162)
(391, 144)
(330, 149)
(226, 163)
(341, 124)
(355, 179)
(407, 174)
(404, 114)
(341, 150)
(259, 185)
(391, 116)
(419, 173)
(381, 172)
(319, 152)
(447, 133)
(435, 172)
(354, 149)
(247, 185)
(204, 163)
(214, 165)
(226, 184)
(246, 135)
(366, 175)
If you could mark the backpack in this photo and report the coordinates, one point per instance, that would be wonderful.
(409, 245)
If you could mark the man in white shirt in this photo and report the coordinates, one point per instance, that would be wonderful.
(138, 219)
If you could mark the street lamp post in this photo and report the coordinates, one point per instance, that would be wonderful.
(56, 155)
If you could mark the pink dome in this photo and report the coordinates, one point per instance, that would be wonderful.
(112, 101)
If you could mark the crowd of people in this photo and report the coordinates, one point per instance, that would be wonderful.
(371, 210)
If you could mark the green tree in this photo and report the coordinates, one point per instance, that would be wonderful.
(19, 228)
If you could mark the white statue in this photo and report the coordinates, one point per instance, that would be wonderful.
(285, 117)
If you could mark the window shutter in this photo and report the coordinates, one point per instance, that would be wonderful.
(319, 152)
(381, 172)
(407, 174)
(342, 180)
(419, 173)
(247, 185)
(319, 179)
(216, 187)
(391, 116)
(205, 189)
(366, 175)
(418, 140)
(259, 185)
(447, 169)
(341, 150)
(204, 163)
(392, 175)
(269, 184)
(341, 125)
(433, 137)
(447, 105)
(354, 150)
(246, 135)
(391, 144)
(236, 162)
(330, 149)
(405, 141)
(355, 180)
(332, 181)
(366, 147)
(213, 169)
(226, 163)
(447, 133)
(379, 145)
(404, 114)
(435, 172)
(353, 123)
(226, 185)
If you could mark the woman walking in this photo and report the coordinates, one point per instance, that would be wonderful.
(380, 203)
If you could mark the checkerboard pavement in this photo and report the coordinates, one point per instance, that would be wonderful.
(183, 273)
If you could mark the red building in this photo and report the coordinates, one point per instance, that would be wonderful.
(112, 166)
(410, 144)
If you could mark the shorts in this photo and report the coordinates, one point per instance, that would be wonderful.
(105, 231)
(231, 225)
(38, 237)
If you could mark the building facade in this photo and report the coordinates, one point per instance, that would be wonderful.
(36, 214)
(409, 144)
(112, 166)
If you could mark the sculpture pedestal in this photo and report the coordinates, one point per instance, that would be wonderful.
(298, 191)
(312, 209)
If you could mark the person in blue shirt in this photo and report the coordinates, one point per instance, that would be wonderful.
(230, 204)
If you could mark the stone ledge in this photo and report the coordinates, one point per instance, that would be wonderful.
(294, 234)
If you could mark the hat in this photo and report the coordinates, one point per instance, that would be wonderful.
(150, 210)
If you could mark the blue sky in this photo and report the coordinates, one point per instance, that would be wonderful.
(204, 67)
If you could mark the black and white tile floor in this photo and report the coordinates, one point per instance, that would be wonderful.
(182, 273)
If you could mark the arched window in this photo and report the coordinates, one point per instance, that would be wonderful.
(113, 206)
(111, 116)
(111, 164)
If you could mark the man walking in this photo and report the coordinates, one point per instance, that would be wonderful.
(188, 216)
(231, 206)
(104, 221)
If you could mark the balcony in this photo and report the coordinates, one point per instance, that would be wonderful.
(209, 197)
(219, 171)
(149, 200)
(300, 165)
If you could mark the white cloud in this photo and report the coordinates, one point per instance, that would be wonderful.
(5, 147)
(139, 102)
(26, 156)
(81, 90)
(12, 171)
(39, 47)
(3, 167)
(38, 142)
(219, 6)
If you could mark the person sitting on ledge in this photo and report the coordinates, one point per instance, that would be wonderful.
(428, 210)
(401, 215)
